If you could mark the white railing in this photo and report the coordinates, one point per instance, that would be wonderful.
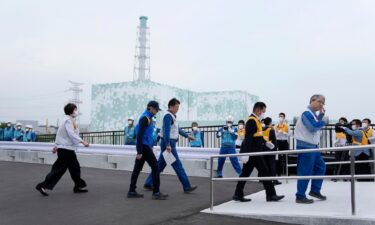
(352, 175)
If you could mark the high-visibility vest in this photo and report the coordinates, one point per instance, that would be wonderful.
(259, 132)
(283, 128)
(266, 134)
(340, 135)
(364, 139)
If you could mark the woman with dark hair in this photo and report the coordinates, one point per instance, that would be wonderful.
(67, 141)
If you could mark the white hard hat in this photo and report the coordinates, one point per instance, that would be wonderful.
(29, 126)
(131, 118)
(18, 124)
(230, 119)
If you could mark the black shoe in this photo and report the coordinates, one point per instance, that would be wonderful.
(219, 177)
(159, 196)
(80, 190)
(147, 187)
(134, 194)
(318, 196)
(240, 199)
(41, 190)
(304, 200)
(275, 198)
(190, 189)
(276, 182)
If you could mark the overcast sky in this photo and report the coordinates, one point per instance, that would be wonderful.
(282, 51)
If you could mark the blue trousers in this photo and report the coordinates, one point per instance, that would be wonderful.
(177, 166)
(234, 160)
(309, 164)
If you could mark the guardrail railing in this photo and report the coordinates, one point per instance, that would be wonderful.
(352, 175)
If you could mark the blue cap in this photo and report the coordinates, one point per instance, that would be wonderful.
(154, 104)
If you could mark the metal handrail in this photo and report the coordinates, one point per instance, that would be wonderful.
(352, 175)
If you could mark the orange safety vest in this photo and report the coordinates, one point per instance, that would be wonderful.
(340, 135)
(266, 134)
(284, 128)
(259, 132)
(364, 139)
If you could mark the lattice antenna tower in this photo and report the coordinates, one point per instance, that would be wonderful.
(142, 51)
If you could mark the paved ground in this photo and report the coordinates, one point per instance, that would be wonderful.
(106, 202)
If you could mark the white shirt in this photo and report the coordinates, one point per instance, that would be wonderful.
(67, 137)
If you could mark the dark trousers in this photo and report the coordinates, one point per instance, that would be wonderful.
(342, 169)
(259, 163)
(271, 164)
(66, 159)
(282, 145)
(149, 157)
(363, 168)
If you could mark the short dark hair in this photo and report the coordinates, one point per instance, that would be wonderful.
(69, 108)
(368, 120)
(357, 122)
(173, 102)
(259, 105)
(267, 121)
(282, 114)
(344, 119)
(194, 124)
(241, 122)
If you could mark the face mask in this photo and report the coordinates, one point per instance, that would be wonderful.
(281, 119)
(27, 129)
(354, 127)
(74, 114)
(263, 125)
(195, 128)
(342, 122)
(240, 126)
(261, 116)
(130, 122)
(9, 125)
(364, 125)
(229, 124)
(18, 128)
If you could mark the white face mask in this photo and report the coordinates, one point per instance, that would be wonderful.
(74, 114)
(263, 125)
(9, 125)
(27, 129)
(281, 119)
(195, 128)
(261, 116)
(130, 122)
(354, 127)
(18, 128)
(241, 126)
(364, 125)
(229, 124)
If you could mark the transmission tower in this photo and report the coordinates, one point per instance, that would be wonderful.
(142, 51)
(76, 96)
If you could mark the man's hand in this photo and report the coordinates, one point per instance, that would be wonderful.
(169, 149)
(85, 143)
(139, 156)
(191, 138)
(323, 110)
(54, 150)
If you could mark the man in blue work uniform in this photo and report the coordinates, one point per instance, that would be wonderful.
(228, 136)
(169, 136)
(29, 135)
(8, 132)
(18, 133)
(129, 132)
(307, 133)
(144, 130)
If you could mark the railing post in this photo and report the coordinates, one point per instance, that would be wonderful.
(352, 181)
(211, 184)
(113, 137)
(287, 166)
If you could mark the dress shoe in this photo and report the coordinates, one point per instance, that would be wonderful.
(159, 196)
(190, 189)
(134, 194)
(41, 190)
(80, 190)
(240, 199)
(275, 198)
(318, 196)
(304, 200)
